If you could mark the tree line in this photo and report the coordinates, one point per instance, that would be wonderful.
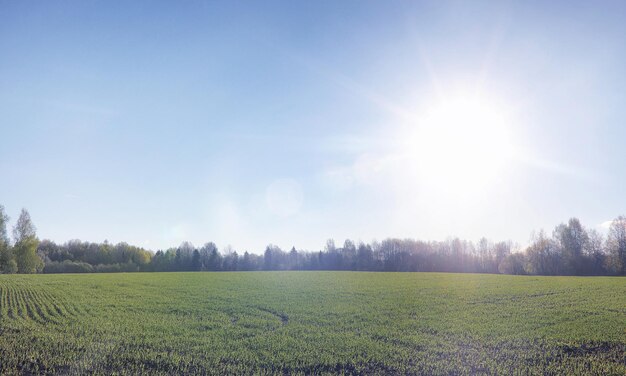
(571, 249)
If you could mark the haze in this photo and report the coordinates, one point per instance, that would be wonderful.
(284, 123)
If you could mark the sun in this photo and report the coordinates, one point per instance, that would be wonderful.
(461, 144)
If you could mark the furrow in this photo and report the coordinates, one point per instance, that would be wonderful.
(46, 307)
(11, 309)
(58, 305)
(33, 306)
(4, 309)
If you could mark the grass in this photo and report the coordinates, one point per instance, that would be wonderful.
(312, 323)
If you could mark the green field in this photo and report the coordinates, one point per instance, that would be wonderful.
(312, 323)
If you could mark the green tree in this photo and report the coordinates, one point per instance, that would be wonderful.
(4, 219)
(7, 259)
(26, 242)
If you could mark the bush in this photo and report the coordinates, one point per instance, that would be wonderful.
(67, 267)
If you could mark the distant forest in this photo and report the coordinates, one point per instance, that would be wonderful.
(571, 250)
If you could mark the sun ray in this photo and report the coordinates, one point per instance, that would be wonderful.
(460, 143)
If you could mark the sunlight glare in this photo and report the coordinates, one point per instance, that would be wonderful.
(460, 145)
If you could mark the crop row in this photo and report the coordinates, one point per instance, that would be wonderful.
(311, 323)
(34, 304)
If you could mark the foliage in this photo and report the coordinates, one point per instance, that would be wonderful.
(571, 250)
(23, 256)
(4, 219)
(312, 323)
(26, 257)
(7, 259)
(10, 266)
(68, 267)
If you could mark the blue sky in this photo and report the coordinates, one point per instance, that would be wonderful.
(249, 123)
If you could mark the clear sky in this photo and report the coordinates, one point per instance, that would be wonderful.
(249, 123)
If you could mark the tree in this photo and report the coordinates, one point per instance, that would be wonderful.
(245, 263)
(215, 260)
(365, 257)
(542, 256)
(230, 261)
(293, 258)
(184, 256)
(501, 250)
(207, 255)
(4, 219)
(349, 255)
(24, 228)
(272, 258)
(484, 253)
(26, 242)
(572, 239)
(196, 264)
(512, 264)
(7, 259)
(330, 246)
(594, 252)
(616, 245)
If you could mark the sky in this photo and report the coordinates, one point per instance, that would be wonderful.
(250, 123)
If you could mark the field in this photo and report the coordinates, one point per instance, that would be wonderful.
(312, 323)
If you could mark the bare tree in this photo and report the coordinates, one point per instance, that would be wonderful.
(24, 228)
(594, 252)
(571, 238)
(616, 244)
